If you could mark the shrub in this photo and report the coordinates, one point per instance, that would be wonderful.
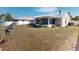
(71, 24)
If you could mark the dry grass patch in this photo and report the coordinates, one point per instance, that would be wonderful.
(24, 38)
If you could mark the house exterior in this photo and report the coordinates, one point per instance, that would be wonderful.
(24, 21)
(60, 20)
(19, 21)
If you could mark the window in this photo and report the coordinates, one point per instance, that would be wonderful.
(45, 21)
(37, 21)
(52, 21)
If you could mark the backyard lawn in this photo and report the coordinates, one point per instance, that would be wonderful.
(23, 38)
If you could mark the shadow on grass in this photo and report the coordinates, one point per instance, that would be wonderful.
(34, 26)
(77, 44)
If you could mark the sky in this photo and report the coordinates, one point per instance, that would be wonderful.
(17, 12)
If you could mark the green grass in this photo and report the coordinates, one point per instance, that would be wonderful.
(24, 38)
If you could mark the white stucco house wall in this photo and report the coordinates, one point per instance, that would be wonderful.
(24, 20)
(61, 20)
(65, 19)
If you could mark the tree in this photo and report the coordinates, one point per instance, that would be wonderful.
(76, 18)
(8, 16)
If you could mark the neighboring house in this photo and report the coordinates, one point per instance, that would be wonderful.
(24, 20)
(61, 20)
(19, 21)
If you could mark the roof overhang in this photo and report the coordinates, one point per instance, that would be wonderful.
(47, 17)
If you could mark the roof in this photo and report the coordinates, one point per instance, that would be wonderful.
(50, 16)
(25, 18)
